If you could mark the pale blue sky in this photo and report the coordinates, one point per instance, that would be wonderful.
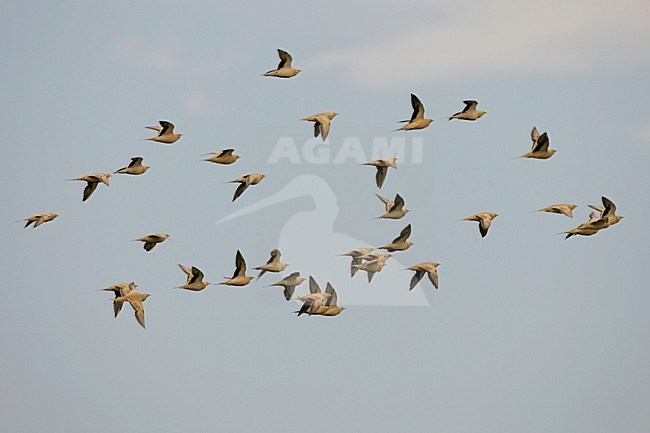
(527, 333)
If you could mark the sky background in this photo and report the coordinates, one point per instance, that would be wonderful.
(528, 332)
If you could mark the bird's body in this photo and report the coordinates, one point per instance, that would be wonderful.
(92, 180)
(322, 123)
(540, 149)
(134, 168)
(166, 133)
(136, 299)
(484, 221)
(400, 243)
(39, 218)
(284, 69)
(469, 112)
(382, 165)
(428, 268)
(564, 209)
(273, 265)
(245, 182)
(194, 280)
(239, 278)
(150, 241)
(394, 209)
(289, 283)
(417, 118)
(224, 157)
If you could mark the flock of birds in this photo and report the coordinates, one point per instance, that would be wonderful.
(318, 302)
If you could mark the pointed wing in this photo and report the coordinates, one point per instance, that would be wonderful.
(197, 275)
(275, 256)
(313, 285)
(285, 59)
(288, 292)
(484, 225)
(305, 307)
(469, 105)
(598, 209)
(333, 298)
(380, 177)
(416, 279)
(398, 204)
(135, 161)
(534, 135)
(404, 234)
(89, 189)
(240, 190)
(240, 265)
(39, 221)
(167, 128)
(117, 307)
(227, 152)
(542, 143)
(185, 269)
(418, 108)
(139, 311)
(324, 128)
(433, 277)
(610, 207)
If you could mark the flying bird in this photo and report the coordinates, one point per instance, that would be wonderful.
(165, 133)
(284, 69)
(134, 168)
(321, 123)
(39, 219)
(245, 181)
(150, 241)
(194, 280)
(608, 211)
(394, 209)
(356, 255)
(469, 112)
(119, 290)
(373, 265)
(540, 149)
(239, 278)
(564, 209)
(225, 157)
(382, 165)
(315, 299)
(589, 228)
(484, 220)
(329, 308)
(92, 180)
(134, 298)
(289, 283)
(417, 119)
(273, 265)
(400, 243)
(428, 268)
